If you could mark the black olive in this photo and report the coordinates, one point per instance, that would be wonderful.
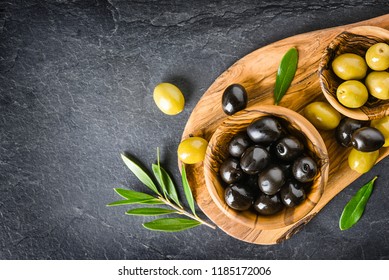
(230, 170)
(265, 130)
(238, 197)
(271, 180)
(251, 181)
(268, 204)
(292, 193)
(239, 143)
(345, 130)
(367, 139)
(304, 169)
(288, 148)
(254, 160)
(234, 99)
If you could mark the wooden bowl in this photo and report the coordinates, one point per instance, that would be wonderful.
(355, 40)
(217, 152)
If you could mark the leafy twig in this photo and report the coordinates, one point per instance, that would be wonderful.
(167, 195)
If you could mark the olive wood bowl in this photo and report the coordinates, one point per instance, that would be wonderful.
(217, 152)
(355, 40)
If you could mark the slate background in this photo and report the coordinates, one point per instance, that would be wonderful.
(76, 81)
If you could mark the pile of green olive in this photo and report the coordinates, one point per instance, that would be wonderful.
(353, 92)
(268, 167)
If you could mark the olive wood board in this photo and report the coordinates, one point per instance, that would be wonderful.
(256, 72)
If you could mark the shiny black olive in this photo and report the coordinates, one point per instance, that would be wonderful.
(239, 143)
(234, 99)
(304, 169)
(251, 181)
(292, 193)
(268, 204)
(265, 130)
(254, 160)
(238, 197)
(345, 130)
(230, 170)
(288, 148)
(367, 139)
(271, 180)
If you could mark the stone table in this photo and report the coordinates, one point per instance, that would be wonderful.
(76, 82)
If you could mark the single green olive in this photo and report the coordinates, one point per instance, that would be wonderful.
(352, 94)
(322, 115)
(377, 57)
(349, 66)
(192, 150)
(383, 126)
(169, 98)
(377, 83)
(362, 162)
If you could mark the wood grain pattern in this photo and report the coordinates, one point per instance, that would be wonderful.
(256, 72)
(356, 40)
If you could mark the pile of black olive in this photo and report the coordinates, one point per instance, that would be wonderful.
(268, 167)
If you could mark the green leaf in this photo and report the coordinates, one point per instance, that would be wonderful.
(353, 210)
(171, 224)
(285, 74)
(133, 195)
(187, 190)
(168, 184)
(140, 174)
(150, 211)
(126, 202)
(157, 173)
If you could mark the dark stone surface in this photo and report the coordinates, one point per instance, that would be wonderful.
(76, 81)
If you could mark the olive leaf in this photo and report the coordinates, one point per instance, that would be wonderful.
(150, 211)
(354, 209)
(140, 174)
(171, 224)
(133, 197)
(285, 74)
(167, 182)
(187, 190)
(129, 201)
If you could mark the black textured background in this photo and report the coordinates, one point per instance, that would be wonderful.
(76, 82)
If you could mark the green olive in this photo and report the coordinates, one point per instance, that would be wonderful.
(377, 57)
(352, 94)
(383, 126)
(192, 150)
(349, 66)
(169, 98)
(362, 162)
(377, 83)
(322, 115)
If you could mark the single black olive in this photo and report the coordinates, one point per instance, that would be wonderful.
(230, 170)
(345, 130)
(268, 204)
(292, 193)
(238, 144)
(271, 180)
(254, 159)
(251, 181)
(304, 169)
(238, 197)
(234, 99)
(367, 139)
(288, 148)
(265, 130)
